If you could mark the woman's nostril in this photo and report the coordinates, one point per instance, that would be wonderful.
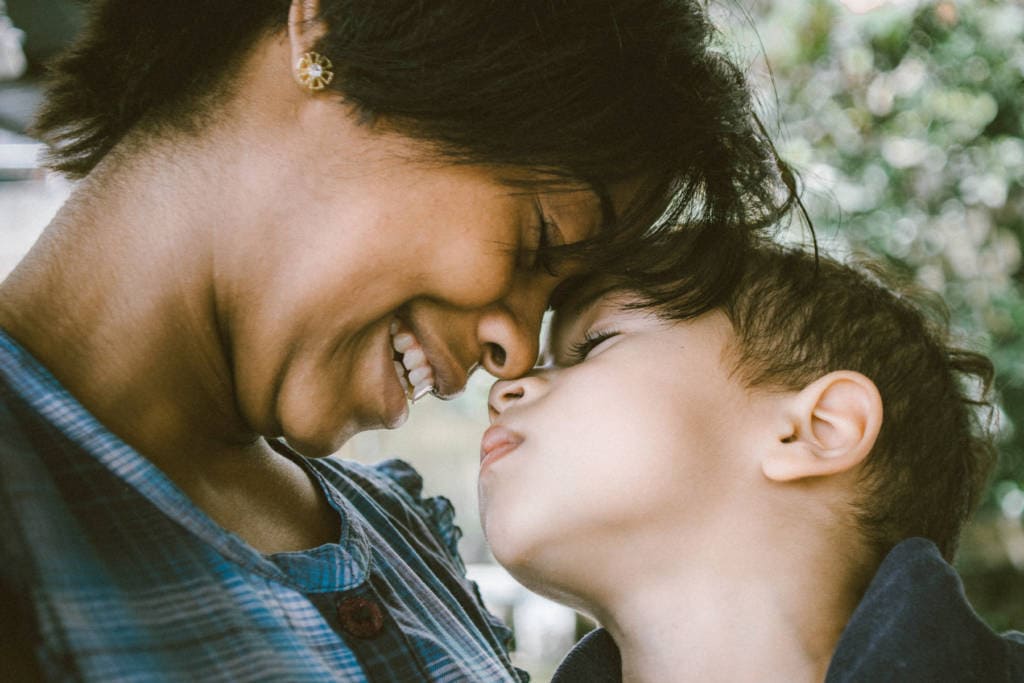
(498, 354)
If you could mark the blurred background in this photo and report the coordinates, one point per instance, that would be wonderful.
(906, 122)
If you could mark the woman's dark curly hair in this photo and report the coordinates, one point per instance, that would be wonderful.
(585, 91)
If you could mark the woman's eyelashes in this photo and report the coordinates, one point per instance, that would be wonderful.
(580, 350)
(548, 237)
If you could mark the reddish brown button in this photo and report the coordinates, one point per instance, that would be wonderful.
(360, 617)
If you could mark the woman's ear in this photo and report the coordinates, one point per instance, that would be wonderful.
(304, 27)
(828, 427)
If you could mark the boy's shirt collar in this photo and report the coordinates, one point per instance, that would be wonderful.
(914, 625)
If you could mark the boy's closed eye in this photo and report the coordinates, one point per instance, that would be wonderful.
(584, 331)
(583, 319)
(592, 341)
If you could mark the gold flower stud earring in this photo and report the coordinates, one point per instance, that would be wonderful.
(314, 71)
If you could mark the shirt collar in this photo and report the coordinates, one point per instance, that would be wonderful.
(914, 623)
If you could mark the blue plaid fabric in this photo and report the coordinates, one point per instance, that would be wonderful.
(116, 576)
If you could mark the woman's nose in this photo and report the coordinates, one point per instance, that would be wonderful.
(509, 330)
(510, 345)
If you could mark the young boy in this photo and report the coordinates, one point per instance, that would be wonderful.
(769, 491)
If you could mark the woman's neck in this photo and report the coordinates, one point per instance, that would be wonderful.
(116, 300)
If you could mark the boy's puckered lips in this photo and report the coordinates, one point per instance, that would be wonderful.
(497, 442)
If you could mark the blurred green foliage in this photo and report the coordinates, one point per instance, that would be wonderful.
(906, 122)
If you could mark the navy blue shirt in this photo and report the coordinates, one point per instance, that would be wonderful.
(914, 625)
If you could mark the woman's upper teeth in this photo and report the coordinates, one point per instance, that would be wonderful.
(419, 374)
(413, 358)
(403, 341)
(418, 378)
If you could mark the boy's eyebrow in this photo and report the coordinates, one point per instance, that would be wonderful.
(563, 291)
(579, 306)
(577, 293)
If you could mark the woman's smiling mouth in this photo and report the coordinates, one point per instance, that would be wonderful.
(425, 363)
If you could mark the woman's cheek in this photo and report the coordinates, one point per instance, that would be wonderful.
(474, 280)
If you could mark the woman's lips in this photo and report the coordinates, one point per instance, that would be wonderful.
(497, 442)
(395, 392)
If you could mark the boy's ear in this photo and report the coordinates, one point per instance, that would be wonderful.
(828, 427)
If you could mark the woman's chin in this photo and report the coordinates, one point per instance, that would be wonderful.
(318, 441)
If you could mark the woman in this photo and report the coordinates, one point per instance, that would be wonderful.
(290, 220)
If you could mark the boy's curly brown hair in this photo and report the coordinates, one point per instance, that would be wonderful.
(798, 317)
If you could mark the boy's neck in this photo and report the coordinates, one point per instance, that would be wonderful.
(723, 614)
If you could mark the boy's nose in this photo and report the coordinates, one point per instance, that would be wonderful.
(503, 393)
(507, 392)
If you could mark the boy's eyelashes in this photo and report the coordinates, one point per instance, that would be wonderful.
(579, 351)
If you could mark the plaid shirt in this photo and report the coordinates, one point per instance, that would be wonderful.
(117, 576)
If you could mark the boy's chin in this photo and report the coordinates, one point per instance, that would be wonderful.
(510, 548)
(552, 583)
(538, 564)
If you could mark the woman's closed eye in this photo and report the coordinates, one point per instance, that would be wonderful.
(541, 257)
(549, 236)
(582, 349)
